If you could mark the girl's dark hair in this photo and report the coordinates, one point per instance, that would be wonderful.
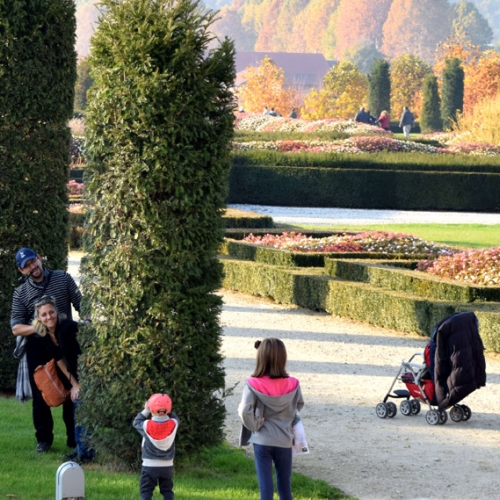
(271, 359)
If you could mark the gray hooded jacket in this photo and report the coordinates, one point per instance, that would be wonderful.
(270, 418)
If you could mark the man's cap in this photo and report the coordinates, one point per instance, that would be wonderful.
(23, 255)
(160, 402)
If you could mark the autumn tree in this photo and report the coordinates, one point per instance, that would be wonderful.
(265, 85)
(482, 80)
(283, 24)
(379, 87)
(416, 27)
(229, 23)
(360, 20)
(310, 25)
(344, 90)
(459, 47)
(407, 76)
(363, 54)
(469, 24)
(452, 92)
(430, 116)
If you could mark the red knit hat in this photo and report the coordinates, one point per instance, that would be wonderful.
(160, 402)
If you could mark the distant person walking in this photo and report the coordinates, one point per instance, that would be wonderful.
(406, 121)
(384, 120)
(293, 113)
(362, 116)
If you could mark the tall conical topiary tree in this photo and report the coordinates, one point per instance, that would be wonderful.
(430, 115)
(37, 78)
(159, 125)
(379, 87)
(452, 92)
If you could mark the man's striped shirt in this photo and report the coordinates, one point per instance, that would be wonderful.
(61, 286)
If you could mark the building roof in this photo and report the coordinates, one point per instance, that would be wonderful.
(301, 70)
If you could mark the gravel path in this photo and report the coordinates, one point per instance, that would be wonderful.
(353, 216)
(345, 369)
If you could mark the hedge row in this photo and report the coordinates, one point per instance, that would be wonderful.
(408, 281)
(422, 162)
(365, 188)
(313, 289)
(277, 257)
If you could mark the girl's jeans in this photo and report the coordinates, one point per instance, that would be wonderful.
(282, 458)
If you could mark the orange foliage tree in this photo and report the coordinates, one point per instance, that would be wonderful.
(359, 20)
(416, 27)
(344, 90)
(266, 86)
(482, 80)
(310, 25)
(456, 47)
(408, 73)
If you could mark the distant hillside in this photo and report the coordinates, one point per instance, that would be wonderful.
(326, 26)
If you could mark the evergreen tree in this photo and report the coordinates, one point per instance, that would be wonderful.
(430, 116)
(379, 87)
(159, 125)
(83, 83)
(452, 92)
(37, 78)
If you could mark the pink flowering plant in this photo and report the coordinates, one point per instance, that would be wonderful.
(475, 267)
(369, 241)
(75, 189)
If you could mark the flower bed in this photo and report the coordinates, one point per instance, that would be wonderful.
(371, 241)
(478, 267)
(354, 145)
(75, 189)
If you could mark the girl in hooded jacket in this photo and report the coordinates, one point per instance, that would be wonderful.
(269, 405)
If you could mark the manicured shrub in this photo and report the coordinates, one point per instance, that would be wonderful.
(452, 92)
(430, 116)
(37, 77)
(379, 87)
(159, 123)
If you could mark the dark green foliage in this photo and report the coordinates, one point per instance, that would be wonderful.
(379, 87)
(387, 188)
(37, 76)
(83, 83)
(452, 92)
(159, 126)
(430, 116)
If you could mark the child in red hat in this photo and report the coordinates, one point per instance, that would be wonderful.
(158, 446)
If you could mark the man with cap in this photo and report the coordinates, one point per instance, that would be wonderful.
(158, 446)
(39, 281)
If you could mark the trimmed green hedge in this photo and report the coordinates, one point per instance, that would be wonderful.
(277, 257)
(313, 289)
(364, 188)
(408, 281)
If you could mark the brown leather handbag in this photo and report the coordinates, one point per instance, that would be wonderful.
(50, 385)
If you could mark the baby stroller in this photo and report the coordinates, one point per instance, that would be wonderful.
(450, 368)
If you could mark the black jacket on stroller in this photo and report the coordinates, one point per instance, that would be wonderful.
(459, 364)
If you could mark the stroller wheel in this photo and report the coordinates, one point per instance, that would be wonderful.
(457, 413)
(415, 406)
(405, 408)
(432, 417)
(381, 410)
(467, 412)
(443, 417)
(391, 409)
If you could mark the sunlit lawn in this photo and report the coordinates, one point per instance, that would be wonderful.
(223, 473)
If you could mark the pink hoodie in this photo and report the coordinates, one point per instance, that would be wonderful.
(273, 386)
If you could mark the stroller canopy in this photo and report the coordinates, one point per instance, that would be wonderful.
(459, 364)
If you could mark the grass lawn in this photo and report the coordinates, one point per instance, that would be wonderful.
(223, 473)
(460, 235)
